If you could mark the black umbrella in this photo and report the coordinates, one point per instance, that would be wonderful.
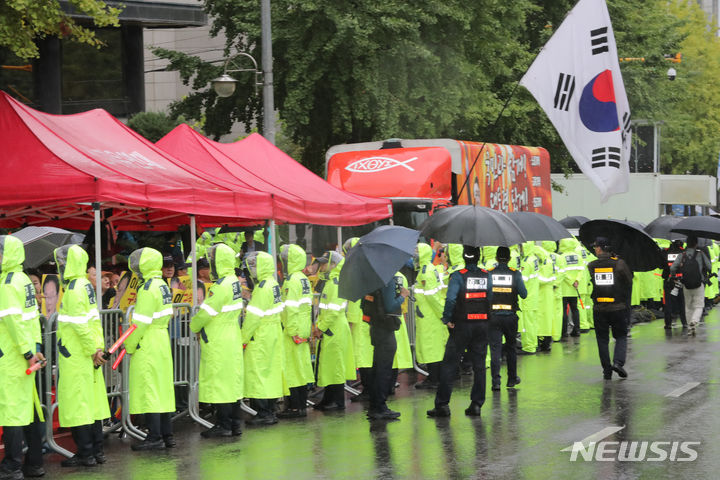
(40, 243)
(574, 221)
(706, 227)
(471, 225)
(628, 241)
(661, 226)
(537, 227)
(375, 259)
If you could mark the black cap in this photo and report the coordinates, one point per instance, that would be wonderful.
(168, 261)
(503, 254)
(203, 263)
(601, 242)
(471, 254)
(324, 258)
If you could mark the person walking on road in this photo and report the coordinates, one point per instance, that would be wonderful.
(693, 264)
(466, 316)
(507, 286)
(611, 280)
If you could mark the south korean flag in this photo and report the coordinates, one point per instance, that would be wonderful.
(576, 79)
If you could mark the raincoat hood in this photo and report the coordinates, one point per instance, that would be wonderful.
(488, 253)
(455, 255)
(335, 261)
(12, 254)
(146, 263)
(568, 245)
(222, 261)
(528, 248)
(663, 243)
(549, 245)
(349, 243)
(205, 238)
(260, 265)
(293, 258)
(71, 262)
(424, 254)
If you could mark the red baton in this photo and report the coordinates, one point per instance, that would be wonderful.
(122, 339)
(37, 366)
(119, 359)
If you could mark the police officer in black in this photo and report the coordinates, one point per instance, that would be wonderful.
(507, 285)
(674, 296)
(466, 315)
(382, 309)
(612, 283)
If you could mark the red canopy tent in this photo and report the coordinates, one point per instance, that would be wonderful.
(299, 195)
(55, 166)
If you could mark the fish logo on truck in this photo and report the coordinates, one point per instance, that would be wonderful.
(378, 164)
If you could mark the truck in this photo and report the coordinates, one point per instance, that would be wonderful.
(420, 175)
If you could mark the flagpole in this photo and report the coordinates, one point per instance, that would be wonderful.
(507, 102)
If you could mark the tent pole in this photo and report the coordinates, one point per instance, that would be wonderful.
(340, 239)
(193, 234)
(98, 253)
(272, 247)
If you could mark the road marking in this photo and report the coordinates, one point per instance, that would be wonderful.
(595, 437)
(685, 388)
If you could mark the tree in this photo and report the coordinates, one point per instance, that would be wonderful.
(352, 71)
(153, 125)
(23, 21)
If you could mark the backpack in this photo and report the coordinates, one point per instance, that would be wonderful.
(690, 270)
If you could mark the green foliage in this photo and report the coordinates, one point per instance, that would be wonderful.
(361, 70)
(153, 125)
(22, 21)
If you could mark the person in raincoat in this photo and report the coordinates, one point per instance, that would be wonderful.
(297, 327)
(529, 306)
(546, 299)
(81, 390)
(454, 252)
(431, 333)
(262, 334)
(585, 289)
(336, 359)
(362, 347)
(151, 364)
(556, 315)
(19, 340)
(217, 325)
(571, 275)
(403, 355)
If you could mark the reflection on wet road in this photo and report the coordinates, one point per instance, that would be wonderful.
(670, 396)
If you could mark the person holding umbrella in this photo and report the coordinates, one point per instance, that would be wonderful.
(466, 316)
(612, 280)
(674, 296)
(382, 310)
(693, 265)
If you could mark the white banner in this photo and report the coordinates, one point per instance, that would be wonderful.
(576, 79)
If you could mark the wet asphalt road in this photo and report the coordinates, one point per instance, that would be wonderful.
(671, 395)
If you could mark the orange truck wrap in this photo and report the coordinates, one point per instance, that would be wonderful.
(504, 177)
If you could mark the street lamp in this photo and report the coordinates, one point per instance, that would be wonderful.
(224, 85)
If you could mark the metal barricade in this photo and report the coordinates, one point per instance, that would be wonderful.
(50, 373)
(112, 321)
(126, 421)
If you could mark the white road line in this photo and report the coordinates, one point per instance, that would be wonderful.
(595, 437)
(679, 391)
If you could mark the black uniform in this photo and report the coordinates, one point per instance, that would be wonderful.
(466, 307)
(381, 309)
(612, 283)
(673, 303)
(507, 285)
